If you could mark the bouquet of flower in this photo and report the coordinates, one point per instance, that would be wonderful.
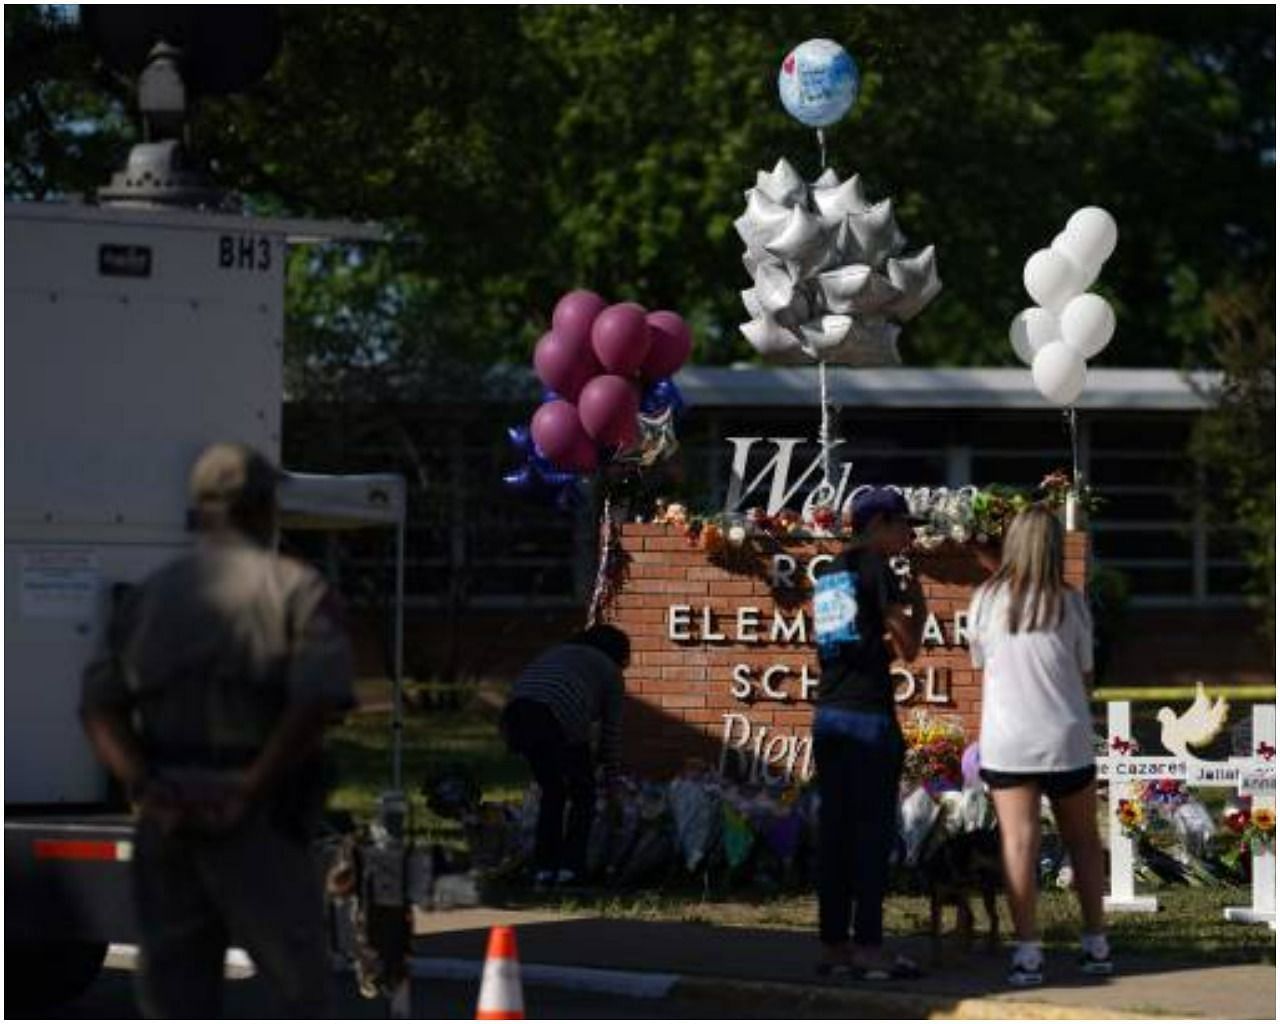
(948, 515)
(1132, 817)
(993, 510)
(1166, 795)
(1057, 487)
(1256, 827)
(1151, 805)
(935, 747)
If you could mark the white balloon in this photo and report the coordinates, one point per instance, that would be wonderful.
(1064, 246)
(1088, 322)
(1059, 371)
(1052, 279)
(1092, 232)
(1032, 330)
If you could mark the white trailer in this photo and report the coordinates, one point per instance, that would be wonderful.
(133, 338)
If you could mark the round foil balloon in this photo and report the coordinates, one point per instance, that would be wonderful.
(818, 83)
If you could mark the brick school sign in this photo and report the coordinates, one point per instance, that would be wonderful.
(723, 664)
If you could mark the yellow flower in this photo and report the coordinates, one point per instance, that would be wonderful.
(1130, 813)
(1264, 818)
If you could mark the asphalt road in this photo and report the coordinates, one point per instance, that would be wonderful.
(112, 997)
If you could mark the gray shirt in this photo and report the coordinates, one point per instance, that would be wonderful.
(207, 652)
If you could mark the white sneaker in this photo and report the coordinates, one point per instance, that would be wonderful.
(1025, 972)
(1095, 954)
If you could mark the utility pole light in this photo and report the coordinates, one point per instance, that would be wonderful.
(178, 54)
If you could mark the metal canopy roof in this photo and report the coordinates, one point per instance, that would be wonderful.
(1151, 390)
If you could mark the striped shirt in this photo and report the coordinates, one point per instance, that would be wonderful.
(581, 686)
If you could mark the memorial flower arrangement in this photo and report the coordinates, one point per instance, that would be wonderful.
(1152, 805)
(952, 516)
(935, 747)
(1255, 828)
(1132, 817)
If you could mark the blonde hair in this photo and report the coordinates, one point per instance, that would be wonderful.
(1031, 569)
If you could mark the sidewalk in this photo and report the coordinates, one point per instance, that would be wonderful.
(730, 967)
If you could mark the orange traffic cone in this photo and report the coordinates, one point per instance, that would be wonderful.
(501, 997)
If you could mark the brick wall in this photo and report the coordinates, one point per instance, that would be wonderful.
(699, 686)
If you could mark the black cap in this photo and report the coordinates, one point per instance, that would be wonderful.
(881, 501)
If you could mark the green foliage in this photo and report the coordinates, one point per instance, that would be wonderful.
(64, 123)
(515, 152)
(1235, 443)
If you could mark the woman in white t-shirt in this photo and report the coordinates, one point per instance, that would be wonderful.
(1032, 636)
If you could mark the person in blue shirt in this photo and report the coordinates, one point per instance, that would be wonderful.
(865, 616)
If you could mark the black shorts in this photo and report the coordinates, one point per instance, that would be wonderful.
(1052, 784)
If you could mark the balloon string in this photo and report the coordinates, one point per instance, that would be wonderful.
(825, 429)
(603, 567)
(1075, 448)
(822, 149)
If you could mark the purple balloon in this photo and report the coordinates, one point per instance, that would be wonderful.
(608, 407)
(620, 338)
(670, 342)
(575, 313)
(584, 458)
(564, 365)
(557, 430)
(970, 765)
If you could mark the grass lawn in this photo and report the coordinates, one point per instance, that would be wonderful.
(465, 736)
(1189, 923)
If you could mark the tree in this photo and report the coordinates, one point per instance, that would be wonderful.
(518, 151)
(1235, 442)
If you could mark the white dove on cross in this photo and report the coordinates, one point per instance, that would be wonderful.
(1194, 727)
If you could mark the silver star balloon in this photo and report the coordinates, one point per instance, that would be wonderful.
(657, 440)
(829, 281)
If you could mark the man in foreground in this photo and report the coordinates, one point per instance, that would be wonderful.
(209, 704)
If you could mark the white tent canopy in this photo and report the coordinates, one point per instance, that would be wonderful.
(320, 502)
(312, 501)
